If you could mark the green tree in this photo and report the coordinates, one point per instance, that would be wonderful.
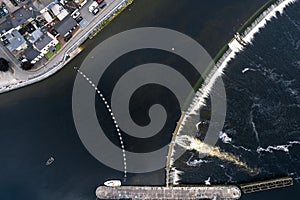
(3, 65)
(26, 65)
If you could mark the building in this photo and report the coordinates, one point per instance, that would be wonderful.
(34, 36)
(21, 15)
(46, 43)
(65, 26)
(58, 11)
(46, 14)
(32, 55)
(15, 39)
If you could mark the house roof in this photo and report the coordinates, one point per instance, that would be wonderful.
(43, 41)
(35, 35)
(47, 16)
(21, 15)
(56, 9)
(30, 53)
(65, 25)
(62, 14)
(15, 40)
(5, 26)
(42, 4)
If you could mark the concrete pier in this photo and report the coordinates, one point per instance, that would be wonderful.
(147, 192)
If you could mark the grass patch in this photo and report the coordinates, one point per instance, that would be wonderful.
(58, 47)
(49, 54)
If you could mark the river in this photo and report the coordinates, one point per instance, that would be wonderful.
(37, 121)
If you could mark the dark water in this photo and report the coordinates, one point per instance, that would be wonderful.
(262, 121)
(37, 120)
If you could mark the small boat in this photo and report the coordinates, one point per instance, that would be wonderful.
(112, 183)
(50, 161)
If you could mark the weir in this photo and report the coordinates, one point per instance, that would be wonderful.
(171, 151)
(237, 44)
(266, 185)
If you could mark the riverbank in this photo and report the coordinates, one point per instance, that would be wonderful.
(70, 50)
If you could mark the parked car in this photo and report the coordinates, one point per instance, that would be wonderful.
(102, 5)
(68, 37)
(99, 1)
(2, 12)
(75, 14)
(93, 6)
(95, 11)
(14, 2)
(4, 40)
(5, 10)
(78, 19)
(54, 32)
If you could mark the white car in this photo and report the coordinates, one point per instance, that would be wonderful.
(93, 6)
(75, 14)
(5, 10)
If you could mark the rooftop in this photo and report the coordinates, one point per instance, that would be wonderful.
(43, 41)
(15, 40)
(21, 15)
(30, 53)
(64, 26)
(35, 35)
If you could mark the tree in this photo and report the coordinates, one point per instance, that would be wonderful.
(26, 65)
(3, 65)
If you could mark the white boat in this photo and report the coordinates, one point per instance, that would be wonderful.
(112, 183)
(50, 161)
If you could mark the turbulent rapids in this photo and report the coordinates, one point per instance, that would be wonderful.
(190, 143)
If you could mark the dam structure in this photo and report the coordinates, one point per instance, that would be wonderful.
(189, 118)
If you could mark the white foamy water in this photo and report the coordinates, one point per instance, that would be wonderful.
(176, 176)
(284, 148)
(266, 16)
(224, 137)
(247, 69)
(194, 163)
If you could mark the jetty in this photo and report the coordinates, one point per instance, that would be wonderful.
(164, 193)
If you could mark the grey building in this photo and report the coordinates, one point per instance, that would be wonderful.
(43, 42)
(35, 35)
(16, 40)
(21, 15)
(30, 53)
(66, 25)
